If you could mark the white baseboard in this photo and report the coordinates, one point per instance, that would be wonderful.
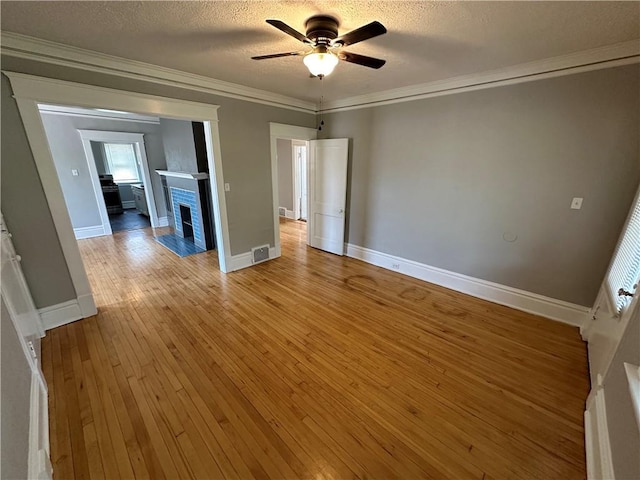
(87, 305)
(244, 260)
(67, 312)
(288, 213)
(127, 204)
(240, 261)
(552, 308)
(163, 221)
(88, 232)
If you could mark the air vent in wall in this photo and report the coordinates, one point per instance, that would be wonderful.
(282, 211)
(260, 254)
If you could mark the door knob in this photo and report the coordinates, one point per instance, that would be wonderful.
(623, 293)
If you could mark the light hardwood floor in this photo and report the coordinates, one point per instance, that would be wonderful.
(308, 366)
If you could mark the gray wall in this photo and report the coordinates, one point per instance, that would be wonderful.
(442, 180)
(16, 387)
(179, 146)
(26, 211)
(98, 155)
(623, 428)
(245, 145)
(67, 151)
(285, 173)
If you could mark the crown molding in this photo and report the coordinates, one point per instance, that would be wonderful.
(615, 55)
(30, 48)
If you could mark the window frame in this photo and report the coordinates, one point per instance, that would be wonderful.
(108, 166)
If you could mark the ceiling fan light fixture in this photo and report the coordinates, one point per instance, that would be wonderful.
(320, 63)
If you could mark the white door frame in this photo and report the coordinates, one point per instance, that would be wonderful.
(137, 139)
(29, 90)
(287, 132)
(296, 172)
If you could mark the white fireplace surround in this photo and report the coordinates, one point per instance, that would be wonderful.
(192, 176)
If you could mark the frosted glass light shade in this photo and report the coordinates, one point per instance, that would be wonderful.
(320, 63)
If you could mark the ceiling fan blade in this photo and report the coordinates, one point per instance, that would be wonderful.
(280, 25)
(276, 55)
(361, 60)
(365, 32)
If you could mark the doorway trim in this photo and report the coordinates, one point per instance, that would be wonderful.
(29, 90)
(137, 139)
(295, 168)
(286, 132)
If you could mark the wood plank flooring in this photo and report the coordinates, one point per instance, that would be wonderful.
(308, 366)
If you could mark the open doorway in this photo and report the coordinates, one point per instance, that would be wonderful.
(104, 162)
(292, 156)
(122, 180)
(122, 184)
(29, 91)
(119, 180)
(283, 137)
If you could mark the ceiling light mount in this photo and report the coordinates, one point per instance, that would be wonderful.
(326, 46)
(322, 29)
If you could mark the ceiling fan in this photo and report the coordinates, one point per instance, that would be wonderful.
(325, 46)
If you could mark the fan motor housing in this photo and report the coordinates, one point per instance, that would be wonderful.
(321, 29)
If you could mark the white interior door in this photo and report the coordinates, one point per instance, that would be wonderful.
(327, 192)
(618, 297)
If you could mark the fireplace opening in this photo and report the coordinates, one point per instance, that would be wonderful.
(187, 226)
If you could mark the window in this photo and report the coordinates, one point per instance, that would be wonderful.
(625, 269)
(121, 162)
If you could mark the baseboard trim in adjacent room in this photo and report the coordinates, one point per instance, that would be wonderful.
(88, 232)
(163, 221)
(127, 204)
(552, 308)
(60, 314)
(287, 213)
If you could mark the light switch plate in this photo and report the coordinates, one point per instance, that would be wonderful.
(74, 172)
(576, 203)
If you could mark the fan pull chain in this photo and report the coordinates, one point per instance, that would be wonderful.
(321, 102)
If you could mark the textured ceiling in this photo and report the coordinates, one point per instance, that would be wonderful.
(426, 41)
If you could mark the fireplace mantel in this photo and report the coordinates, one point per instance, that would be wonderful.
(193, 176)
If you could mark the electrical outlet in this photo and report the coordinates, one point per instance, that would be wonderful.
(576, 203)
(395, 266)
